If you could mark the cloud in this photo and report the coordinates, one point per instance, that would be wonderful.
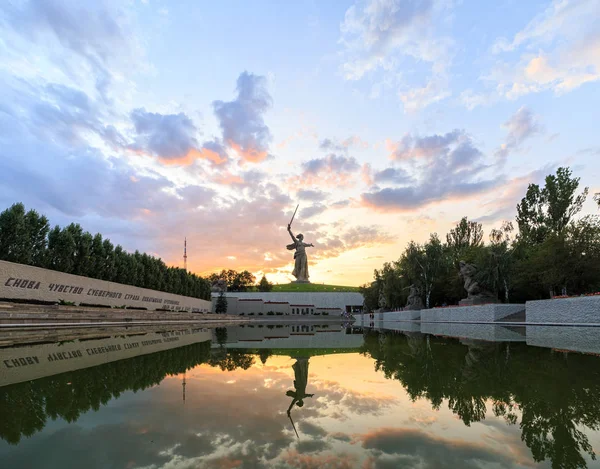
(382, 34)
(242, 121)
(567, 44)
(410, 147)
(392, 175)
(312, 210)
(167, 136)
(521, 126)
(330, 164)
(172, 138)
(328, 171)
(441, 167)
(415, 448)
(98, 33)
(312, 195)
(508, 195)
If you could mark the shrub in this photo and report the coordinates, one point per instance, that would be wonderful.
(241, 314)
(325, 313)
(317, 314)
(93, 305)
(250, 314)
(270, 313)
(66, 303)
(260, 314)
(279, 313)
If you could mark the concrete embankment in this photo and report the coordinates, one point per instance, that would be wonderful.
(27, 315)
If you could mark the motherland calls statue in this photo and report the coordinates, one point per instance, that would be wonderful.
(414, 301)
(475, 293)
(301, 261)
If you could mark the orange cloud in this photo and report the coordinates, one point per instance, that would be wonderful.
(250, 154)
(193, 155)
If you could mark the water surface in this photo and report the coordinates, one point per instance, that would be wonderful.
(356, 398)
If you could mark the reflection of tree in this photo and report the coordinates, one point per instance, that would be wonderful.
(230, 359)
(25, 407)
(221, 335)
(264, 354)
(557, 394)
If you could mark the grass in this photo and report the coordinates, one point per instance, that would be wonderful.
(312, 287)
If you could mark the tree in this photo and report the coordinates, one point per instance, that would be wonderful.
(221, 306)
(550, 209)
(23, 236)
(501, 253)
(370, 293)
(243, 281)
(61, 250)
(465, 236)
(264, 285)
(597, 198)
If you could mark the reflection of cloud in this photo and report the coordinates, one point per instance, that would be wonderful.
(312, 446)
(293, 459)
(414, 448)
(312, 429)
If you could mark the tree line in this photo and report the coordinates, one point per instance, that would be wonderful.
(547, 251)
(26, 238)
(241, 281)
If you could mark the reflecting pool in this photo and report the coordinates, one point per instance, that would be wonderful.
(299, 396)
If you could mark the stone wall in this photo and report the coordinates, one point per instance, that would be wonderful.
(482, 313)
(580, 310)
(25, 282)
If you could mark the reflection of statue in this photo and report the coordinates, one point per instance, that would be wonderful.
(475, 293)
(300, 382)
(219, 286)
(414, 301)
(301, 261)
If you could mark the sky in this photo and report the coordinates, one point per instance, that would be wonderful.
(385, 120)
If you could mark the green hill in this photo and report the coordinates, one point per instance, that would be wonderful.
(312, 287)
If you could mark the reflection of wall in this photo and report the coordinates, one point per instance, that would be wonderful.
(36, 361)
(19, 281)
(572, 338)
(290, 336)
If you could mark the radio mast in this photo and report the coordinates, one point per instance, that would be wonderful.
(185, 254)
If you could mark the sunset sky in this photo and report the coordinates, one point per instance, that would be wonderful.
(150, 121)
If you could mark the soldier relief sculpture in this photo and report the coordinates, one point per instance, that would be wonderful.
(300, 260)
